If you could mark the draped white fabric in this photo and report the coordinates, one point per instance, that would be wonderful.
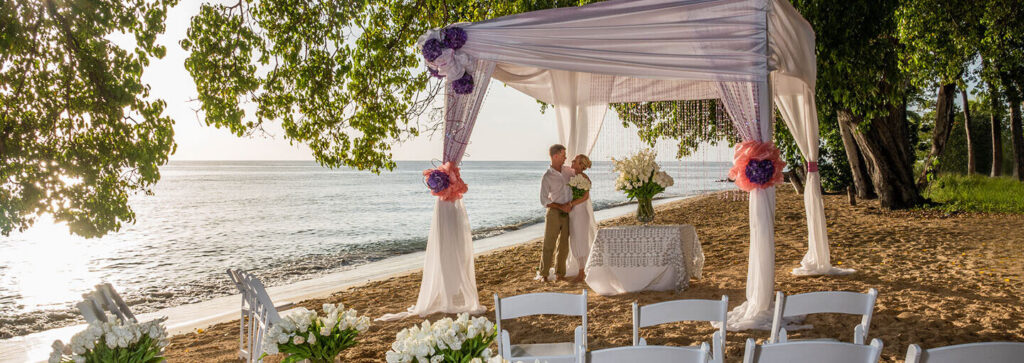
(793, 83)
(749, 107)
(799, 115)
(656, 50)
(449, 275)
(580, 102)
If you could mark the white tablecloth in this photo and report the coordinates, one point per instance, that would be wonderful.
(637, 258)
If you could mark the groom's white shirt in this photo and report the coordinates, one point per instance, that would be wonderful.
(554, 188)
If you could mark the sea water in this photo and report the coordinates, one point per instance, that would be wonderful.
(284, 220)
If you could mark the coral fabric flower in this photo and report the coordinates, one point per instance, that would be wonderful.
(448, 190)
(758, 165)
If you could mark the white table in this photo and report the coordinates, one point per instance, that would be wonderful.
(638, 258)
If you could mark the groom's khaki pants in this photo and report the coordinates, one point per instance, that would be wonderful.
(556, 228)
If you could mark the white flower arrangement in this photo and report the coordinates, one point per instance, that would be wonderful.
(305, 336)
(114, 341)
(580, 185)
(640, 176)
(446, 340)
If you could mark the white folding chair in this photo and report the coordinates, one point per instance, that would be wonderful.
(714, 311)
(812, 351)
(843, 302)
(647, 354)
(537, 304)
(995, 352)
(104, 299)
(258, 313)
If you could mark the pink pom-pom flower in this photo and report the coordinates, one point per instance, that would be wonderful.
(450, 190)
(757, 165)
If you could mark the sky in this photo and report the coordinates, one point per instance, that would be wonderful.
(510, 125)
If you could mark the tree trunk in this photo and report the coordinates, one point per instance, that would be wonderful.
(940, 135)
(886, 149)
(997, 134)
(971, 167)
(859, 170)
(1017, 139)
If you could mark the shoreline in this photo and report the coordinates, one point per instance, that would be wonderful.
(186, 318)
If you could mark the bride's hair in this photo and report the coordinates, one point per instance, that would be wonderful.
(584, 161)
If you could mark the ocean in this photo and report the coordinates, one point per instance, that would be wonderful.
(285, 220)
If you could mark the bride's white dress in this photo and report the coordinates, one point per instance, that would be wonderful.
(582, 232)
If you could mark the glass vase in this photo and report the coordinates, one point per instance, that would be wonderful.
(644, 210)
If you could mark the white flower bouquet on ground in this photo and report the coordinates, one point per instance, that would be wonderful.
(580, 185)
(114, 341)
(450, 341)
(641, 178)
(305, 336)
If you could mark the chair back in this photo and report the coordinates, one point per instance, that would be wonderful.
(714, 311)
(104, 299)
(812, 351)
(647, 354)
(842, 302)
(538, 304)
(994, 352)
(258, 312)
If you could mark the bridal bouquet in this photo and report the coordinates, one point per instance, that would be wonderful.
(446, 340)
(580, 185)
(114, 341)
(641, 178)
(305, 336)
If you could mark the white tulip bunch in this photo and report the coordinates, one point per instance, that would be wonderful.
(114, 341)
(445, 340)
(640, 176)
(305, 335)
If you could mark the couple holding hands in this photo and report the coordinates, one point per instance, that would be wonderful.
(569, 223)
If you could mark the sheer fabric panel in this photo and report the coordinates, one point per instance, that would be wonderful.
(749, 107)
(449, 276)
(581, 102)
(795, 103)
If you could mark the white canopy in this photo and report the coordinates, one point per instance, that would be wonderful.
(747, 53)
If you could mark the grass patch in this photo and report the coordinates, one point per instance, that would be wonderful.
(977, 193)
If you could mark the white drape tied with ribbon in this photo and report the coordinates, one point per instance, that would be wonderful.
(449, 276)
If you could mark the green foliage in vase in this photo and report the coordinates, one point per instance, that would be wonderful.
(79, 132)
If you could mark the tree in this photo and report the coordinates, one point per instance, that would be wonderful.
(78, 133)
(859, 81)
(939, 41)
(1002, 50)
(342, 76)
(972, 164)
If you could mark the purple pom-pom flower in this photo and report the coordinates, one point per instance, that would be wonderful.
(437, 181)
(454, 37)
(463, 85)
(432, 49)
(760, 171)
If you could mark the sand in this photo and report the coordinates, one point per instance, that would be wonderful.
(942, 279)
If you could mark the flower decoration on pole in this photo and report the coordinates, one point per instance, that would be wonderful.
(445, 182)
(758, 165)
(440, 49)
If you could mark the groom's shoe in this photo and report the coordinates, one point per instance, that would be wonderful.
(561, 278)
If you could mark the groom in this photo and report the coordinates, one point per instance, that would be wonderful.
(555, 195)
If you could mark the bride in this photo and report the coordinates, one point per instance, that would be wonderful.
(582, 226)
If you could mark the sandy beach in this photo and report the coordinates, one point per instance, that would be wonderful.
(942, 279)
